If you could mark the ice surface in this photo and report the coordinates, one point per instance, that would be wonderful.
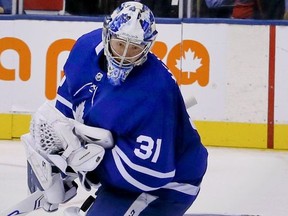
(238, 182)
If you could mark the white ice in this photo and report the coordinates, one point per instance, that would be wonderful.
(238, 181)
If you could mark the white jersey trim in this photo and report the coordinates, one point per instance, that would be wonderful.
(180, 187)
(183, 188)
(126, 175)
(98, 48)
(87, 84)
(64, 101)
(142, 169)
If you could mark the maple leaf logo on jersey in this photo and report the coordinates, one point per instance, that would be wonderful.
(79, 112)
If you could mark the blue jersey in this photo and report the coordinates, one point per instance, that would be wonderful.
(157, 150)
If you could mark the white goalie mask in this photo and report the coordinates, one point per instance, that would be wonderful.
(128, 35)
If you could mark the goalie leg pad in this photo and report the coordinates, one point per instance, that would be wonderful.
(32, 181)
(40, 168)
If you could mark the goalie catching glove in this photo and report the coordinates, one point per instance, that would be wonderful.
(56, 141)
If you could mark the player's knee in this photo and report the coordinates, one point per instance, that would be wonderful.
(32, 181)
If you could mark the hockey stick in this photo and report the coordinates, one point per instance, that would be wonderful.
(30, 203)
(190, 101)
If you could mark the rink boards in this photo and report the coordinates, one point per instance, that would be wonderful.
(242, 95)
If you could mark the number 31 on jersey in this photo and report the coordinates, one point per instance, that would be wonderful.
(149, 149)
